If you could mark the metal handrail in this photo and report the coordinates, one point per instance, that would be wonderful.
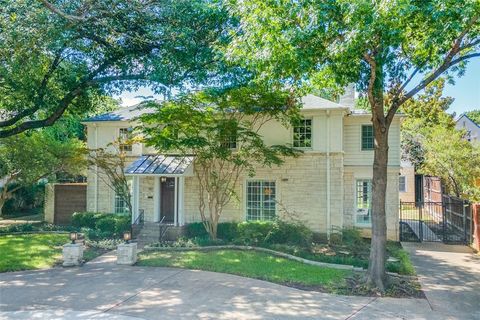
(140, 219)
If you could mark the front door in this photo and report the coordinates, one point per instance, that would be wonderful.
(167, 200)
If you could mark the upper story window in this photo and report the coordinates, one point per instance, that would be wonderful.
(367, 137)
(302, 133)
(402, 184)
(124, 135)
(231, 142)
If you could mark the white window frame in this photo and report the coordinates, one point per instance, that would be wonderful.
(275, 184)
(369, 210)
(115, 197)
(311, 134)
(404, 183)
(122, 137)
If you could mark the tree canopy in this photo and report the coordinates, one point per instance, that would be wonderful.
(27, 158)
(391, 50)
(61, 55)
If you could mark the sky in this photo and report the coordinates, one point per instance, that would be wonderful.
(465, 91)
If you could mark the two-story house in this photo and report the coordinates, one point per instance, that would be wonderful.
(329, 186)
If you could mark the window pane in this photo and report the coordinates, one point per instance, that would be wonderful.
(124, 135)
(302, 134)
(402, 184)
(367, 137)
(260, 200)
(364, 201)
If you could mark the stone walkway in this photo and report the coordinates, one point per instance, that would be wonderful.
(450, 277)
(103, 290)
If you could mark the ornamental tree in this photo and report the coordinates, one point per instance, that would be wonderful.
(58, 55)
(390, 49)
(221, 130)
(27, 158)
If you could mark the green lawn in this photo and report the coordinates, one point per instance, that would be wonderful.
(249, 264)
(32, 251)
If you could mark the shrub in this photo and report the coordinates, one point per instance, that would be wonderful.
(196, 230)
(291, 233)
(122, 224)
(227, 231)
(26, 227)
(84, 219)
(106, 224)
(254, 232)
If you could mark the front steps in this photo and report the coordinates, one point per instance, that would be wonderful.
(150, 232)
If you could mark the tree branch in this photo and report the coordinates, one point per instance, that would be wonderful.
(62, 14)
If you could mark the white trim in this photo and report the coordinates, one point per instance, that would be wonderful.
(156, 199)
(136, 197)
(175, 199)
(328, 182)
(181, 201)
(96, 170)
(245, 192)
(312, 135)
(355, 208)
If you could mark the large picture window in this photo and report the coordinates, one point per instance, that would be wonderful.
(363, 201)
(367, 137)
(120, 205)
(261, 200)
(302, 133)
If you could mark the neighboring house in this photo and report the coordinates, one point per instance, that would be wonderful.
(329, 186)
(406, 182)
(471, 127)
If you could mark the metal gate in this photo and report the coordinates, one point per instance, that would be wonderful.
(449, 221)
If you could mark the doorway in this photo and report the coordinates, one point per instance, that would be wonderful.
(167, 200)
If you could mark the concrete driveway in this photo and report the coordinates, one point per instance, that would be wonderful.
(103, 290)
(450, 277)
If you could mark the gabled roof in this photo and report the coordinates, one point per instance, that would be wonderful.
(466, 116)
(313, 102)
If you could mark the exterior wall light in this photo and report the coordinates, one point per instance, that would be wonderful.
(163, 179)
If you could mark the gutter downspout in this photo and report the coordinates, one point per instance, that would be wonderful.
(329, 218)
(96, 169)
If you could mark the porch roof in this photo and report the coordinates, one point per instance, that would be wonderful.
(161, 165)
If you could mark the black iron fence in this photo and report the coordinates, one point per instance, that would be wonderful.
(449, 221)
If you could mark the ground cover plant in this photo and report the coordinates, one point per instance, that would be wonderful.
(346, 246)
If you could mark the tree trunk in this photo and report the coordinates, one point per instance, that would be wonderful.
(376, 269)
(2, 203)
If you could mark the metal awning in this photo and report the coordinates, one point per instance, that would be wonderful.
(161, 165)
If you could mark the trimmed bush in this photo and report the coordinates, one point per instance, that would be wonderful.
(84, 219)
(254, 232)
(295, 233)
(106, 224)
(227, 231)
(122, 224)
(196, 230)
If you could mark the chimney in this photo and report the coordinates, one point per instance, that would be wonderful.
(348, 97)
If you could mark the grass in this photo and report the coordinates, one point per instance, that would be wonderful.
(32, 251)
(250, 264)
(36, 251)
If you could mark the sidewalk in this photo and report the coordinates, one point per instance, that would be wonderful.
(450, 277)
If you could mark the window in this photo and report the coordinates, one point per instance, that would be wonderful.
(230, 142)
(367, 137)
(120, 205)
(261, 200)
(402, 184)
(302, 133)
(364, 201)
(125, 135)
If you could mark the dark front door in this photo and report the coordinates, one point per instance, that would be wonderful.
(167, 200)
